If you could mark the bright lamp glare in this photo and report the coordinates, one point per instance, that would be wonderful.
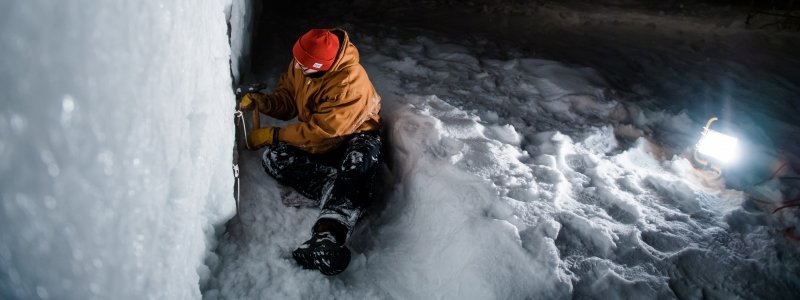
(722, 147)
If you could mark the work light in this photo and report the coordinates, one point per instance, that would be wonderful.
(716, 147)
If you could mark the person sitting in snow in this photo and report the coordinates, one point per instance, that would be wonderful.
(332, 153)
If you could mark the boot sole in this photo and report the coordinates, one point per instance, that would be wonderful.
(328, 260)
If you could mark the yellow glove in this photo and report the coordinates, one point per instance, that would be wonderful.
(261, 137)
(254, 100)
(248, 102)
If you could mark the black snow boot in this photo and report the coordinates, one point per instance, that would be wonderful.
(325, 251)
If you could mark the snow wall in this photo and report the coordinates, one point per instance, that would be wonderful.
(116, 136)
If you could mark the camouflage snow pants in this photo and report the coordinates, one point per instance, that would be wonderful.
(342, 180)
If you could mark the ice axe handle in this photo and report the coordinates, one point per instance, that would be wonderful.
(256, 119)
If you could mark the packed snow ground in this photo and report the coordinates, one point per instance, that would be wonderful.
(511, 176)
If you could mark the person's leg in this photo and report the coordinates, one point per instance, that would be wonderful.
(353, 187)
(352, 192)
(305, 172)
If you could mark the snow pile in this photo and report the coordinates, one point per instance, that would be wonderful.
(115, 143)
(607, 219)
(518, 178)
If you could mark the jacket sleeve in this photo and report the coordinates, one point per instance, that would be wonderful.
(280, 104)
(336, 117)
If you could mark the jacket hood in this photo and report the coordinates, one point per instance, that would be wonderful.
(347, 55)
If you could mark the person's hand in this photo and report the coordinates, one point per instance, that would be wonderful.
(261, 137)
(248, 94)
(248, 102)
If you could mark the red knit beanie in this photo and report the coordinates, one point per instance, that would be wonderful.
(316, 49)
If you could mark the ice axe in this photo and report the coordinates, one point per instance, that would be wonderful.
(249, 88)
(256, 119)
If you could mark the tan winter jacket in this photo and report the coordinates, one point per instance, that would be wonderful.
(329, 108)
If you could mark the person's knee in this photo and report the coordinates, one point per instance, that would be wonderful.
(359, 164)
(276, 158)
(363, 156)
